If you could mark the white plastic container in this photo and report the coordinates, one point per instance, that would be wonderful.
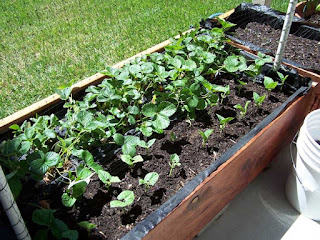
(303, 184)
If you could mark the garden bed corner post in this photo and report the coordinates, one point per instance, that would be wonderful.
(285, 33)
(12, 210)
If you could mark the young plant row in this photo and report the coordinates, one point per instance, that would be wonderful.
(142, 96)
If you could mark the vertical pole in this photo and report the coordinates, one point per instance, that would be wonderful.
(285, 33)
(12, 210)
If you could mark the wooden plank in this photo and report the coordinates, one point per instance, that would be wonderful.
(217, 190)
(20, 116)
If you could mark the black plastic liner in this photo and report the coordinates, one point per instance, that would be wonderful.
(302, 85)
(248, 12)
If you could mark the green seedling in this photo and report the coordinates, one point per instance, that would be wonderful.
(225, 93)
(269, 84)
(282, 79)
(149, 180)
(205, 136)
(223, 121)
(174, 162)
(240, 86)
(243, 110)
(125, 198)
(173, 137)
(107, 179)
(87, 226)
(258, 100)
(131, 160)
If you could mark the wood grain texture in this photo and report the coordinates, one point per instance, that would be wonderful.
(217, 190)
(20, 116)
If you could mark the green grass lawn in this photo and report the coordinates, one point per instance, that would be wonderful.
(47, 43)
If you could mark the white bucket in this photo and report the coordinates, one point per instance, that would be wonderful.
(303, 184)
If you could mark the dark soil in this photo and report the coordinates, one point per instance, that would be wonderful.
(315, 20)
(318, 141)
(301, 50)
(194, 157)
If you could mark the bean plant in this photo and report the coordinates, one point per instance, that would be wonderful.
(174, 162)
(243, 110)
(282, 79)
(205, 136)
(223, 122)
(149, 180)
(258, 100)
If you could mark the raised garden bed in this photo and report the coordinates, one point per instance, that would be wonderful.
(211, 189)
(258, 28)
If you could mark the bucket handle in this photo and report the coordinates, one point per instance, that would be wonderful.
(294, 164)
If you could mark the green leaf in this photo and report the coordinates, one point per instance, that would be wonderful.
(70, 234)
(43, 217)
(104, 176)
(147, 67)
(10, 147)
(175, 160)
(51, 159)
(166, 108)
(269, 83)
(29, 132)
(39, 166)
(50, 133)
(125, 198)
(118, 138)
(87, 225)
(15, 127)
(149, 110)
(128, 149)
(15, 186)
(137, 159)
(127, 159)
(192, 101)
(84, 117)
(24, 147)
(134, 110)
(161, 122)
(175, 62)
(151, 178)
(131, 120)
(58, 227)
(67, 200)
(208, 132)
(151, 142)
(64, 92)
(78, 189)
(83, 172)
